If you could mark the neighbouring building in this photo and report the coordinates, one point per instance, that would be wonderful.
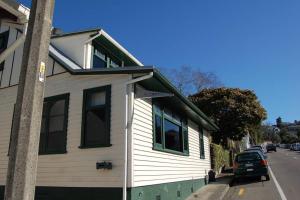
(106, 119)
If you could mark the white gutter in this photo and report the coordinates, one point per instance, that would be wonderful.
(128, 112)
(85, 47)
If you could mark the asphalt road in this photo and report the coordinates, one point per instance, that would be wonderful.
(285, 166)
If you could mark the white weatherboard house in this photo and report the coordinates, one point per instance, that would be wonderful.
(101, 132)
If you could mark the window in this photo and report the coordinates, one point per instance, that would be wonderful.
(99, 59)
(3, 45)
(96, 118)
(53, 135)
(54, 125)
(170, 131)
(103, 58)
(201, 143)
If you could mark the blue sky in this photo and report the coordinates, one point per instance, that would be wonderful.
(251, 44)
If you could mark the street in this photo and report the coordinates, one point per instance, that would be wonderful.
(284, 183)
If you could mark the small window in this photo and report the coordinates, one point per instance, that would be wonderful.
(201, 143)
(99, 59)
(3, 45)
(54, 125)
(170, 131)
(96, 118)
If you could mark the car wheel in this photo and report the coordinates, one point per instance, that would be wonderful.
(267, 177)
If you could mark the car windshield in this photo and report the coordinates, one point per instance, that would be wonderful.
(248, 157)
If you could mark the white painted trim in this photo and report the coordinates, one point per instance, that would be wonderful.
(121, 48)
(282, 195)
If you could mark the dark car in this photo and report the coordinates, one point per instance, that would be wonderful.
(250, 164)
(271, 147)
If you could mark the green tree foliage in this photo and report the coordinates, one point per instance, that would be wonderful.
(286, 137)
(235, 111)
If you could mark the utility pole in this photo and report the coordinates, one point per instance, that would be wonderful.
(23, 154)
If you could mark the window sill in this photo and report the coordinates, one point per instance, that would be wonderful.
(170, 151)
(94, 146)
(52, 153)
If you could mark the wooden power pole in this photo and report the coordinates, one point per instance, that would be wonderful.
(23, 154)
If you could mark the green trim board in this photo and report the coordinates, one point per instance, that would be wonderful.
(166, 191)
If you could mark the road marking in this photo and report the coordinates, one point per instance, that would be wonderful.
(241, 192)
(283, 197)
(295, 158)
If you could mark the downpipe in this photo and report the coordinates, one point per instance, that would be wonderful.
(128, 112)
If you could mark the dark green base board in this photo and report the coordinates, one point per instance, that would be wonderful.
(166, 191)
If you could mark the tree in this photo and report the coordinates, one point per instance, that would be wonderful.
(279, 122)
(236, 111)
(298, 134)
(190, 80)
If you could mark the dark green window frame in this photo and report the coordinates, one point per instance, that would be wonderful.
(160, 115)
(3, 45)
(43, 150)
(201, 143)
(86, 108)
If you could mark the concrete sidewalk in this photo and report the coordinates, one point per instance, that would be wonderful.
(214, 190)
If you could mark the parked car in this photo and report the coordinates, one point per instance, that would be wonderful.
(292, 147)
(295, 147)
(250, 164)
(258, 150)
(271, 147)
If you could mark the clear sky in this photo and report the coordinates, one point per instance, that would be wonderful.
(253, 44)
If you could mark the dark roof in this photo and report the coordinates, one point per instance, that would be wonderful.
(76, 32)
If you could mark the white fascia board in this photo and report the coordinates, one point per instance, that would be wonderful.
(113, 41)
(63, 58)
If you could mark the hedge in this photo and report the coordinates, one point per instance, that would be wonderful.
(219, 157)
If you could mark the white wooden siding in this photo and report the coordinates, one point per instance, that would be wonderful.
(154, 167)
(78, 166)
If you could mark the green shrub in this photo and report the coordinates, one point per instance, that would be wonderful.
(219, 157)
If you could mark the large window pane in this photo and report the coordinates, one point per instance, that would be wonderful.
(95, 126)
(172, 136)
(158, 129)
